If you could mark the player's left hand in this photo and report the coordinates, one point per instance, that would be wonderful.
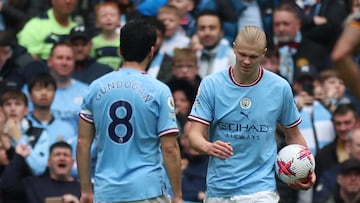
(304, 184)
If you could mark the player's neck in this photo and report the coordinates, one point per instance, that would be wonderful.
(134, 65)
(242, 78)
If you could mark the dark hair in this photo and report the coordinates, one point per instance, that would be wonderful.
(209, 13)
(159, 25)
(60, 144)
(176, 84)
(43, 79)
(342, 109)
(13, 94)
(136, 39)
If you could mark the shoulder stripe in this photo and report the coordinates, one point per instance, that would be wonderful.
(194, 118)
(169, 131)
(86, 117)
(294, 124)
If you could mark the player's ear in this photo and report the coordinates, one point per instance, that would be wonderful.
(151, 53)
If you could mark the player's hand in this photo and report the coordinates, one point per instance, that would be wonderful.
(177, 200)
(220, 149)
(69, 198)
(305, 183)
(87, 198)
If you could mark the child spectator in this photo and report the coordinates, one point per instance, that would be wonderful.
(21, 131)
(334, 89)
(187, 20)
(106, 44)
(271, 61)
(170, 16)
(185, 66)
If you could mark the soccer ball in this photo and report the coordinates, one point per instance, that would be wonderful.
(294, 162)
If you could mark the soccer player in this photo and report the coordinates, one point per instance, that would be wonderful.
(239, 109)
(132, 117)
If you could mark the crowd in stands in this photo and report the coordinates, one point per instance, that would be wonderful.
(51, 51)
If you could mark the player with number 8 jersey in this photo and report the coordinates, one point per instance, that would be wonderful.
(131, 116)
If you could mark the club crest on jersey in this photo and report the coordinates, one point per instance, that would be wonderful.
(171, 103)
(245, 103)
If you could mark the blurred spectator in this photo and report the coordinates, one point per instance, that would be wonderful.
(15, 13)
(187, 20)
(217, 54)
(58, 23)
(322, 20)
(327, 184)
(58, 182)
(13, 59)
(349, 182)
(174, 38)
(334, 89)
(69, 92)
(237, 14)
(185, 66)
(271, 61)
(194, 170)
(184, 95)
(160, 64)
(294, 48)
(343, 53)
(105, 45)
(21, 131)
(42, 90)
(148, 7)
(87, 69)
(316, 126)
(345, 119)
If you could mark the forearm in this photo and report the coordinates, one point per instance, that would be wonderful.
(84, 166)
(293, 136)
(199, 143)
(349, 71)
(85, 138)
(172, 162)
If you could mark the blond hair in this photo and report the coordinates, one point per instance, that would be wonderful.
(252, 34)
(184, 54)
(169, 9)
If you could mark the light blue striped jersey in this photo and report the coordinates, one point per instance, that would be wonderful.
(246, 116)
(130, 111)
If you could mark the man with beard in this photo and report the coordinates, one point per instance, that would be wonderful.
(217, 54)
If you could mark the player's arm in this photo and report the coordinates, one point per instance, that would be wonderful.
(199, 141)
(85, 137)
(342, 54)
(347, 42)
(294, 136)
(172, 160)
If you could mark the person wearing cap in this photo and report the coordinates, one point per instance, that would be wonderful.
(344, 146)
(348, 183)
(87, 69)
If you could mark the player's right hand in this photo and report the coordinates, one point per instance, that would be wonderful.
(87, 198)
(220, 149)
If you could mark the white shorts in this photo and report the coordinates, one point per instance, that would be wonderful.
(259, 197)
